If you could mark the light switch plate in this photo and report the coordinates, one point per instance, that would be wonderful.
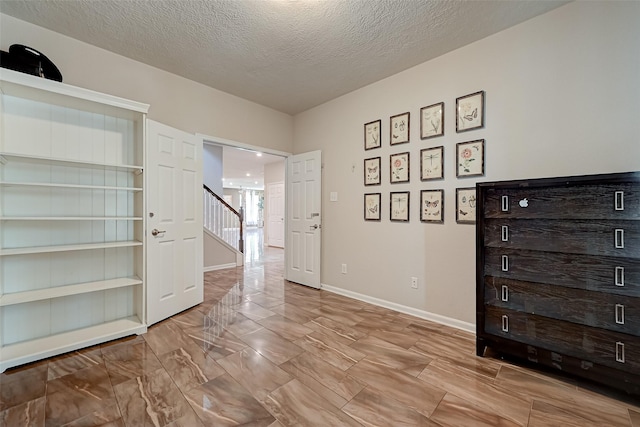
(333, 196)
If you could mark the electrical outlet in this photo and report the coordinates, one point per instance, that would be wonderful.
(344, 268)
(414, 282)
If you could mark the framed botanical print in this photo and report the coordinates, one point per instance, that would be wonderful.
(470, 158)
(470, 112)
(372, 206)
(466, 205)
(399, 206)
(399, 167)
(399, 132)
(432, 206)
(432, 121)
(372, 171)
(432, 163)
(372, 135)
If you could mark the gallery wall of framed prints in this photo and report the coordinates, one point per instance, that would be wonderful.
(430, 156)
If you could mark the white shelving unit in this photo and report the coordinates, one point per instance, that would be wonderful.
(72, 224)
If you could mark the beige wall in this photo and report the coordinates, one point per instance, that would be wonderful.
(274, 172)
(562, 98)
(174, 100)
(216, 254)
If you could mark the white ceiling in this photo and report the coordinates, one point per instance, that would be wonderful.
(289, 55)
(237, 163)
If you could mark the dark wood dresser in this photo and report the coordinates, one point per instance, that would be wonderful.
(558, 274)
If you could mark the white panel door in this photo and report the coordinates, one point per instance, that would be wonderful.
(174, 222)
(304, 203)
(275, 229)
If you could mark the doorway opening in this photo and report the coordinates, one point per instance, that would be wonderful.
(243, 176)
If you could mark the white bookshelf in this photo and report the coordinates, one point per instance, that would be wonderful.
(84, 187)
(43, 160)
(68, 248)
(72, 225)
(67, 290)
(52, 345)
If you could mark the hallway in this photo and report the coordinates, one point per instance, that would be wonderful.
(255, 250)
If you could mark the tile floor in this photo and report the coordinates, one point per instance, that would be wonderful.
(264, 352)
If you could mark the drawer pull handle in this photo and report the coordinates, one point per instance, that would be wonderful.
(505, 233)
(620, 314)
(619, 201)
(505, 263)
(505, 203)
(619, 276)
(505, 293)
(619, 238)
(620, 352)
(505, 323)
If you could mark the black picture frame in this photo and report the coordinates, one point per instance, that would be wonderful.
(432, 206)
(470, 158)
(432, 163)
(372, 206)
(399, 127)
(466, 205)
(373, 135)
(470, 112)
(399, 167)
(372, 171)
(432, 121)
(399, 203)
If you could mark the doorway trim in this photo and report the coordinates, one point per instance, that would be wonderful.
(213, 140)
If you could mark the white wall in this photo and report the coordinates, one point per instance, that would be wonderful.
(212, 173)
(235, 197)
(174, 100)
(562, 98)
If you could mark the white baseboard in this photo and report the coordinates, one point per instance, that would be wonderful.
(443, 320)
(220, 267)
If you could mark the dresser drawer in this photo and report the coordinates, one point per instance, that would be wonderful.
(613, 349)
(601, 237)
(629, 382)
(596, 201)
(597, 309)
(615, 275)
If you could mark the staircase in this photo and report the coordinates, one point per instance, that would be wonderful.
(222, 223)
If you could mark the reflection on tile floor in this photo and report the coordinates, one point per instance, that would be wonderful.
(261, 351)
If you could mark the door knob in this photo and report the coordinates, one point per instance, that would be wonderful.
(155, 231)
(314, 226)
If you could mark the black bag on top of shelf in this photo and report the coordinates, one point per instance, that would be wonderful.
(28, 60)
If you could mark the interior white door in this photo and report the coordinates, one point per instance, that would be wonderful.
(304, 207)
(174, 222)
(275, 229)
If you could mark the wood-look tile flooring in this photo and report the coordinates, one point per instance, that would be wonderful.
(264, 352)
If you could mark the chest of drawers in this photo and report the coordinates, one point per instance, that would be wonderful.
(558, 274)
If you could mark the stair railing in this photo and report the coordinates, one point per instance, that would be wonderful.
(222, 220)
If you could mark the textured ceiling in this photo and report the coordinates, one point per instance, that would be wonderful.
(289, 55)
